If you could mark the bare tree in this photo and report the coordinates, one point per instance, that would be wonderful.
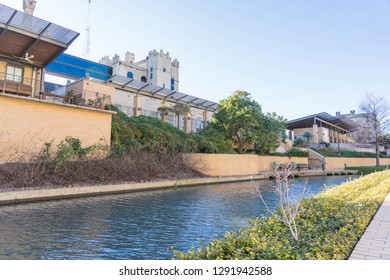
(288, 202)
(377, 109)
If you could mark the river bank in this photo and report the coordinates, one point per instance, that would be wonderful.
(27, 195)
(141, 225)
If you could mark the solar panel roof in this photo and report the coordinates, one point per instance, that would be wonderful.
(164, 92)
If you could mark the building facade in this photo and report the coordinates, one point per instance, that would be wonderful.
(366, 126)
(30, 116)
(147, 87)
(324, 128)
(157, 68)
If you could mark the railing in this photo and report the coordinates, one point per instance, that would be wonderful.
(85, 98)
(16, 84)
(128, 110)
(149, 113)
(90, 99)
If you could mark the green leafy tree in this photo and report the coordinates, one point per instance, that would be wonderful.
(308, 136)
(240, 119)
(273, 132)
(212, 140)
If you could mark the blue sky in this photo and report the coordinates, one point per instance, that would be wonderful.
(295, 57)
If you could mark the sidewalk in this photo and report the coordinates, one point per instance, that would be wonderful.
(375, 242)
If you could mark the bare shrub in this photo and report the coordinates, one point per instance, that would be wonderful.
(288, 205)
(70, 164)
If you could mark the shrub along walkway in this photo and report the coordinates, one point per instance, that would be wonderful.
(375, 242)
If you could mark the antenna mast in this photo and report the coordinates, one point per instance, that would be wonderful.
(88, 29)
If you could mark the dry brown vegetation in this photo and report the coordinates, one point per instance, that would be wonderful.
(139, 167)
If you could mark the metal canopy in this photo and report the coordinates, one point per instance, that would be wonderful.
(21, 33)
(341, 122)
(132, 84)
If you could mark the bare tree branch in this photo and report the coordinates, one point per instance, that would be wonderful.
(377, 110)
(288, 204)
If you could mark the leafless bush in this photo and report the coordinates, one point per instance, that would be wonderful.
(288, 206)
(42, 171)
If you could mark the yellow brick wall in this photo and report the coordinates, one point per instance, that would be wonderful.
(265, 162)
(235, 165)
(26, 124)
(336, 163)
(223, 165)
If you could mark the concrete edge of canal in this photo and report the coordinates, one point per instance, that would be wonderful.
(72, 192)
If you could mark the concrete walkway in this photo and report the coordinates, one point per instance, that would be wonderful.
(375, 242)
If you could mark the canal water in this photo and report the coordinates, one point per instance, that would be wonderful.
(145, 225)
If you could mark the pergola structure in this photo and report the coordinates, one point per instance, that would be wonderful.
(27, 45)
(164, 93)
(325, 127)
(23, 36)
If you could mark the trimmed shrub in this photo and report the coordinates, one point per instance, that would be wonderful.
(347, 154)
(294, 152)
(364, 170)
(299, 141)
(331, 223)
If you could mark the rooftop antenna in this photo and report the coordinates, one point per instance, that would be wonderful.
(87, 50)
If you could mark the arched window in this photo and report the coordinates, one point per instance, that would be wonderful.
(130, 75)
(143, 79)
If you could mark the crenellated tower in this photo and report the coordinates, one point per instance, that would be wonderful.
(157, 69)
(162, 71)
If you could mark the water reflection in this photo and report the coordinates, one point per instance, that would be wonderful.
(134, 225)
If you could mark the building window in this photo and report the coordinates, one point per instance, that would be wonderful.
(199, 124)
(14, 73)
(151, 75)
(163, 85)
(151, 69)
(164, 69)
(171, 120)
(172, 84)
(143, 79)
(130, 75)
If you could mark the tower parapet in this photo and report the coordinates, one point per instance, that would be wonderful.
(161, 53)
(175, 63)
(129, 57)
(105, 60)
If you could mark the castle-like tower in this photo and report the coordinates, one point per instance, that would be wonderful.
(157, 68)
(162, 70)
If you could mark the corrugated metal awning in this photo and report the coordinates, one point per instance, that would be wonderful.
(22, 34)
(132, 84)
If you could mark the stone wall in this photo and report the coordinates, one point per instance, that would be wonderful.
(27, 124)
(235, 165)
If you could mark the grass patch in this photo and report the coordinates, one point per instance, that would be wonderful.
(364, 170)
(331, 223)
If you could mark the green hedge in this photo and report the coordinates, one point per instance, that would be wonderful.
(330, 223)
(364, 170)
(347, 154)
